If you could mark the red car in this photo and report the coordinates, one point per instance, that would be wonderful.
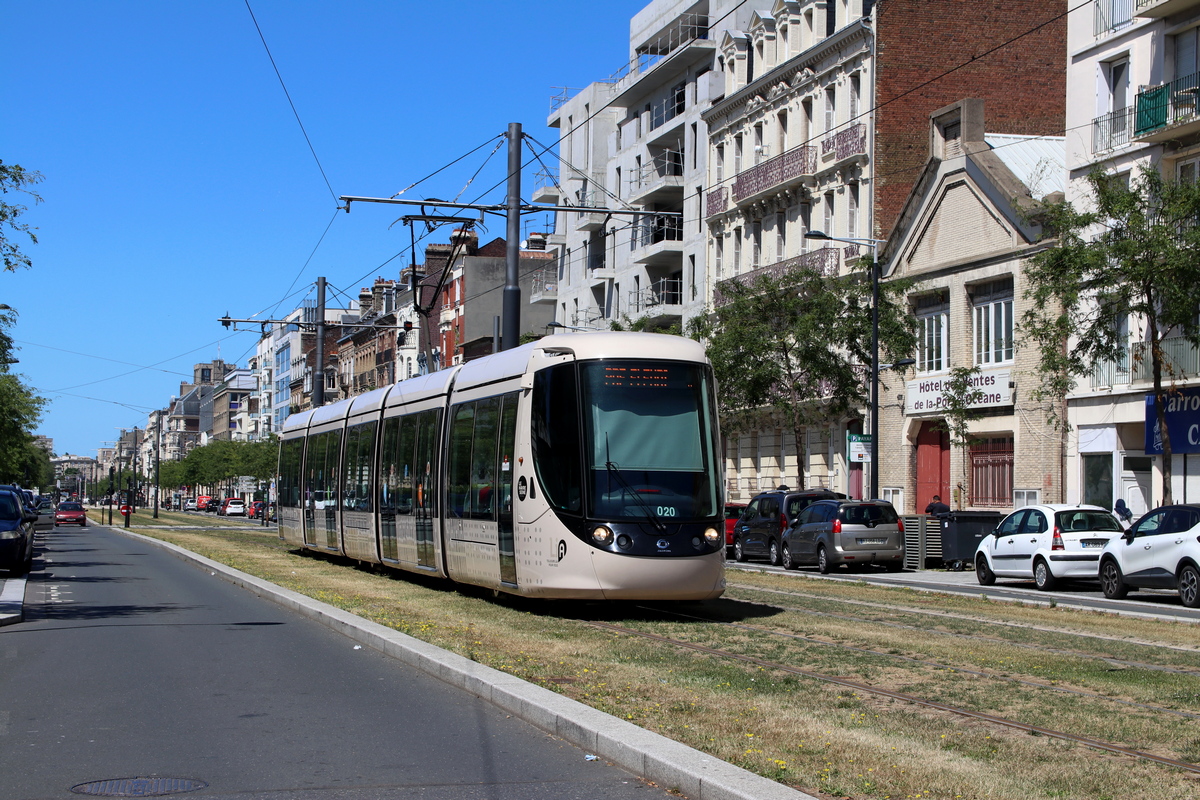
(70, 513)
(733, 511)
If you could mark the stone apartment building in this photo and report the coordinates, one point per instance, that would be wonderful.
(962, 238)
(821, 125)
(1133, 78)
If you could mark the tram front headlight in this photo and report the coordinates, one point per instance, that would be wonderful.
(602, 535)
(712, 536)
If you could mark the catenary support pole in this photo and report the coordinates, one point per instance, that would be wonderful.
(512, 286)
(318, 387)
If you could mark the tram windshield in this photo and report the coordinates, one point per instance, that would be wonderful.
(645, 440)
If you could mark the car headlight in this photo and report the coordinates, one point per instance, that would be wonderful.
(13, 534)
(712, 535)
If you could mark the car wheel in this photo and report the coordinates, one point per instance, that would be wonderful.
(1043, 578)
(773, 553)
(823, 564)
(1111, 580)
(983, 573)
(739, 551)
(1189, 586)
(788, 562)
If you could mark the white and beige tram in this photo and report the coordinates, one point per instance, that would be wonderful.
(582, 465)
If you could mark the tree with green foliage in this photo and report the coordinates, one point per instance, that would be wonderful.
(14, 178)
(1130, 261)
(797, 345)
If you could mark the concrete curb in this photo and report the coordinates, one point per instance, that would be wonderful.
(652, 756)
(12, 601)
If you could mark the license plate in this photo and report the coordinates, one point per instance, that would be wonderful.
(872, 541)
(1087, 544)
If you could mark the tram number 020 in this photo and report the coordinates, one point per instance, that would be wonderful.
(666, 511)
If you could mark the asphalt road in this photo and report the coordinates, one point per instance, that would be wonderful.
(132, 663)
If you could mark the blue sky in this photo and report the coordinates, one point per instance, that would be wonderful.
(179, 186)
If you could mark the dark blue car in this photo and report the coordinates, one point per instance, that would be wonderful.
(16, 534)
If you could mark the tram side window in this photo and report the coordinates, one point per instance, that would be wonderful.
(424, 467)
(556, 437)
(356, 468)
(408, 444)
(321, 483)
(389, 478)
(462, 431)
(482, 496)
(289, 472)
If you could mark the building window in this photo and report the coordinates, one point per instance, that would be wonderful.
(720, 175)
(718, 253)
(852, 211)
(828, 207)
(737, 250)
(780, 236)
(1111, 15)
(756, 244)
(737, 154)
(830, 109)
(992, 472)
(993, 323)
(933, 341)
(855, 95)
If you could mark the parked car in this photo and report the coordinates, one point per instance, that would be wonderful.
(829, 533)
(1160, 551)
(759, 531)
(70, 513)
(213, 506)
(233, 507)
(202, 502)
(16, 533)
(189, 504)
(1047, 543)
(254, 509)
(733, 512)
(45, 512)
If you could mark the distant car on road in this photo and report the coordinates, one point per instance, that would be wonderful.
(733, 512)
(70, 513)
(16, 533)
(1160, 551)
(189, 504)
(233, 507)
(1046, 543)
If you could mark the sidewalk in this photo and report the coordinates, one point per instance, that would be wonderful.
(12, 600)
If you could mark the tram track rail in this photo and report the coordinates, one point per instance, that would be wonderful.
(1125, 663)
(858, 686)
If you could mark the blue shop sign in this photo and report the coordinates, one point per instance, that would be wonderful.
(1183, 422)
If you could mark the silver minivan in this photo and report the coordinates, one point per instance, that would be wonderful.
(852, 532)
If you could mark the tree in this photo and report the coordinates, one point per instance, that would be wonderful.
(798, 345)
(14, 178)
(1130, 261)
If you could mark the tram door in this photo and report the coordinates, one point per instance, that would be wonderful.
(423, 499)
(508, 466)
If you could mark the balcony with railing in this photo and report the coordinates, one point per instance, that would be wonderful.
(544, 287)
(1181, 360)
(825, 261)
(849, 142)
(663, 296)
(590, 220)
(660, 181)
(1167, 111)
(686, 31)
(590, 318)
(1112, 130)
(774, 173)
(657, 239)
(1156, 9)
(545, 186)
(716, 201)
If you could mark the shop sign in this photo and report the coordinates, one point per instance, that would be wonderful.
(1183, 422)
(927, 395)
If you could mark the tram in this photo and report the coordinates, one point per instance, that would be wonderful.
(582, 465)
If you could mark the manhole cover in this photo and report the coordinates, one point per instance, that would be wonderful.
(138, 787)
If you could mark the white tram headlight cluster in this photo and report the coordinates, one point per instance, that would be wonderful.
(712, 536)
(602, 535)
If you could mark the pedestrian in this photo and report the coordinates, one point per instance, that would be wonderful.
(1122, 512)
(937, 508)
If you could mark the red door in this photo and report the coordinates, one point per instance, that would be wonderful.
(933, 465)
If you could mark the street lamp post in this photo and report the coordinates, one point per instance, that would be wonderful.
(873, 244)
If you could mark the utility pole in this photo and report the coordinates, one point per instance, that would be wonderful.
(318, 389)
(512, 284)
(157, 448)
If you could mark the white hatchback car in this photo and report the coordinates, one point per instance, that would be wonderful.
(1046, 543)
(1160, 551)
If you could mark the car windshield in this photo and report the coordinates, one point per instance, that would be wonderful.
(1086, 520)
(70, 507)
